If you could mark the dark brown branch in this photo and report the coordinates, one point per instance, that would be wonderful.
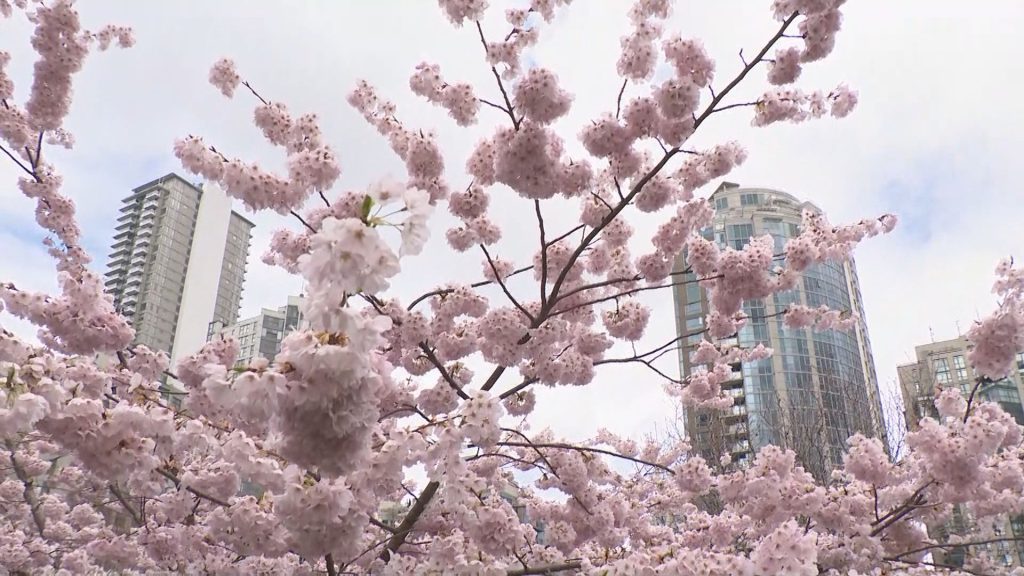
(444, 371)
(324, 198)
(403, 529)
(738, 105)
(946, 545)
(575, 229)
(177, 483)
(561, 446)
(493, 105)
(20, 165)
(331, 569)
(546, 568)
(29, 492)
(618, 101)
(443, 291)
(517, 388)
(116, 491)
(254, 93)
(304, 223)
(970, 399)
(382, 525)
(504, 288)
(501, 86)
(543, 256)
(747, 67)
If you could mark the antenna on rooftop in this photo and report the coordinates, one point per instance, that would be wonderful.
(931, 333)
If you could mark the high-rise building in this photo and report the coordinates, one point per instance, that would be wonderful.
(818, 388)
(943, 365)
(261, 335)
(177, 262)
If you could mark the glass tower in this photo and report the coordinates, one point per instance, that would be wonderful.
(818, 388)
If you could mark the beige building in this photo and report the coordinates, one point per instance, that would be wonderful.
(942, 365)
(818, 388)
(261, 335)
(177, 263)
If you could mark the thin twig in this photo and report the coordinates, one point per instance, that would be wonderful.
(497, 77)
(304, 223)
(543, 255)
(562, 446)
(177, 483)
(618, 101)
(504, 288)
(443, 291)
(546, 569)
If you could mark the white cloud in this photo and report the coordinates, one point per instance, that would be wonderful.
(934, 139)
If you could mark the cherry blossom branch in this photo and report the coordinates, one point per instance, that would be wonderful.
(629, 292)
(254, 92)
(618, 101)
(970, 399)
(403, 529)
(119, 494)
(29, 492)
(304, 223)
(492, 105)
(562, 446)
(575, 229)
(504, 288)
(912, 502)
(940, 565)
(899, 556)
(546, 569)
(501, 86)
(747, 67)
(443, 291)
(444, 371)
(517, 388)
(543, 256)
(535, 448)
(177, 484)
(18, 162)
(331, 569)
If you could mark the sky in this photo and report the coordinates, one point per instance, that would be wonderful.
(935, 139)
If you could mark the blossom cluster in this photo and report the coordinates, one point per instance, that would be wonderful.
(391, 437)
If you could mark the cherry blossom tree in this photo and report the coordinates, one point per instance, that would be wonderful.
(303, 464)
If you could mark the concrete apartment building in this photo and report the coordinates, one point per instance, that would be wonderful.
(261, 335)
(177, 262)
(941, 365)
(818, 388)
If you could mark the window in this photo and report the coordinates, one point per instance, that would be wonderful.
(750, 199)
(721, 203)
(941, 371)
(739, 234)
(961, 369)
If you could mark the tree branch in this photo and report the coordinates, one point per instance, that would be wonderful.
(543, 255)
(501, 86)
(747, 67)
(29, 492)
(546, 568)
(402, 532)
(116, 491)
(504, 288)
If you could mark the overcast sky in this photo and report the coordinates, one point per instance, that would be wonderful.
(936, 139)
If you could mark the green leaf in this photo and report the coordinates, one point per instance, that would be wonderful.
(367, 204)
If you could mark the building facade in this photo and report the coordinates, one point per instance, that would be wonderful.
(261, 335)
(177, 263)
(942, 365)
(818, 388)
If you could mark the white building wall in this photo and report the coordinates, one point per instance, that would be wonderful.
(199, 297)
